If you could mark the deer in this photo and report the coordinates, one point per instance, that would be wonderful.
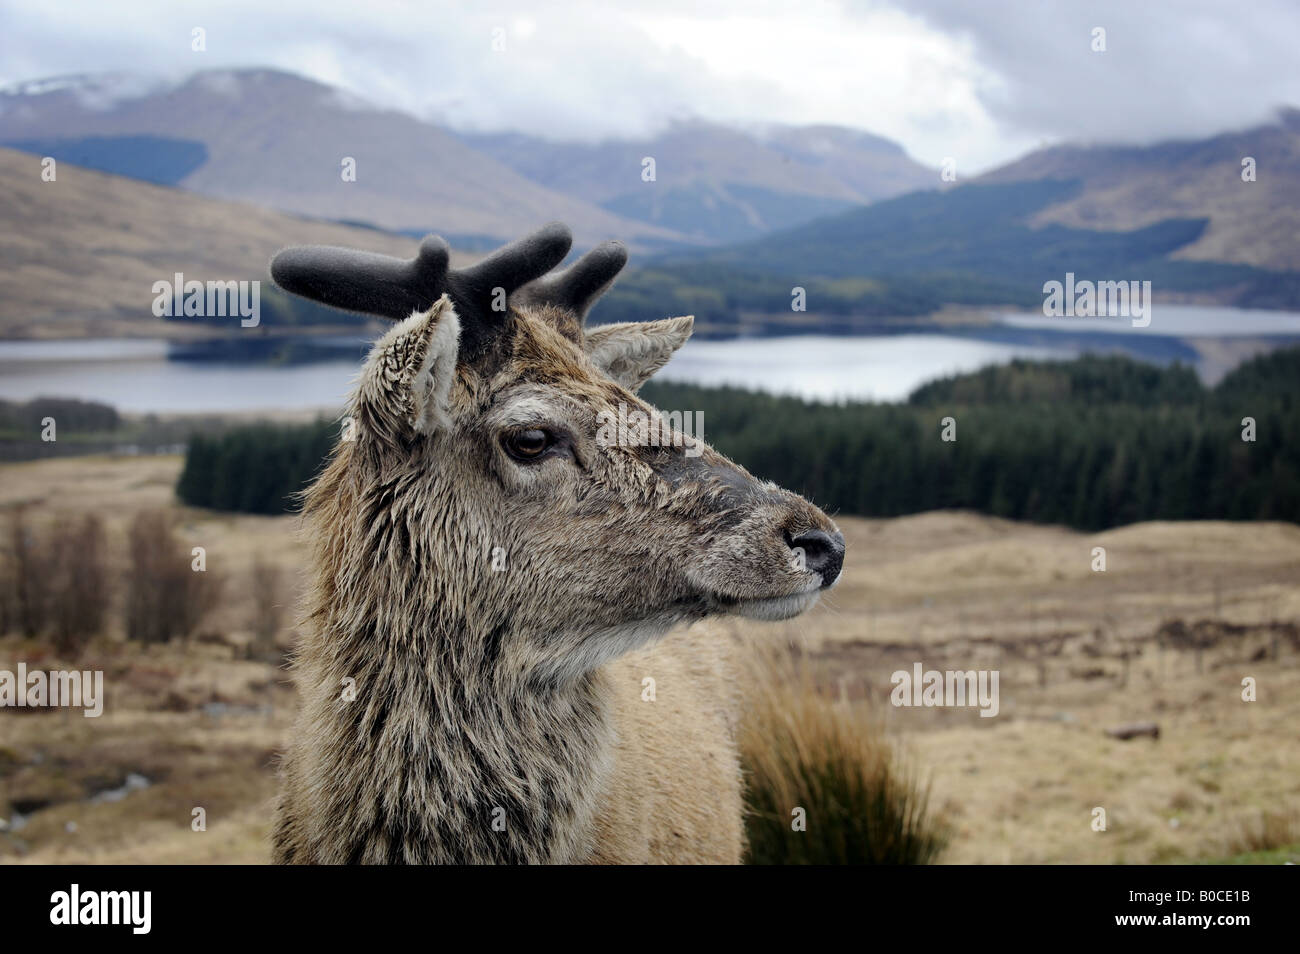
(509, 649)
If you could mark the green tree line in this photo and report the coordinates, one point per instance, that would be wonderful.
(254, 469)
(1091, 443)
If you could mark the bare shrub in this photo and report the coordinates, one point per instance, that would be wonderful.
(29, 598)
(165, 597)
(8, 583)
(803, 750)
(78, 564)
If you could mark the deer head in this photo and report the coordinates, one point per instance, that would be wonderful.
(484, 494)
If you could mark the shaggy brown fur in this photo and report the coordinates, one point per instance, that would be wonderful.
(498, 618)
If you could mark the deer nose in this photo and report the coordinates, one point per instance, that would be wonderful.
(822, 553)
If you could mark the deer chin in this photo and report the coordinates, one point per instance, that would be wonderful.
(770, 608)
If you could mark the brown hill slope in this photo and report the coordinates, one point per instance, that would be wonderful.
(81, 253)
(279, 140)
(1127, 187)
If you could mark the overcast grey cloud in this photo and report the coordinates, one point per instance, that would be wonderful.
(980, 82)
(1171, 67)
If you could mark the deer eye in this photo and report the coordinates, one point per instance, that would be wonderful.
(528, 444)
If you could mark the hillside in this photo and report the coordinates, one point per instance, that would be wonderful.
(1130, 187)
(263, 136)
(717, 183)
(1176, 214)
(779, 207)
(910, 256)
(82, 253)
(980, 230)
(980, 244)
(278, 140)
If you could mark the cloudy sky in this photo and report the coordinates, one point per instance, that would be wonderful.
(981, 82)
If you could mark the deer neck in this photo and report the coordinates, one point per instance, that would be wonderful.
(438, 754)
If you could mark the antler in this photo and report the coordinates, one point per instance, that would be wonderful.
(578, 286)
(393, 288)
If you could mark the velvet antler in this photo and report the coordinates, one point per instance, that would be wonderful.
(578, 286)
(393, 288)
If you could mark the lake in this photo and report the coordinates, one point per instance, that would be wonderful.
(1183, 321)
(136, 375)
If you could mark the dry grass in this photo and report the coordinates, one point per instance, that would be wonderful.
(1077, 652)
(1269, 831)
(201, 726)
(823, 786)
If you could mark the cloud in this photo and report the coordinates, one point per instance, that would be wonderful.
(979, 82)
(1169, 70)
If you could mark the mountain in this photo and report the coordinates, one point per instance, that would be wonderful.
(1177, 214)
(974, 245)
(279, 140)
(1129, 187)
(715, 183)
(88, 247)
(81, 253)
(980, 229)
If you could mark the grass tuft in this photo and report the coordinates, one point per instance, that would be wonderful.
(803, 750)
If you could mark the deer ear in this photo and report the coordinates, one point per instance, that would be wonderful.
(407, 381)
(630, 352)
